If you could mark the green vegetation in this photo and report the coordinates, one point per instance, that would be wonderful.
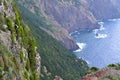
(57, 59)
(21, 55)
(93, 69)
(112, 65)
(11, 28)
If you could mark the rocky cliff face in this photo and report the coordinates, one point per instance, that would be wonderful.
(19, 59)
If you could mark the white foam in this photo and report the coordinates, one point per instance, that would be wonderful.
(81, 47)
(100, 23)
(95, 31)
(112, 19)
(102, 28)
(73, 33)
(101, 36)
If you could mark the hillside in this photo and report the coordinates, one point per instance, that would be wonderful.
(19, 59)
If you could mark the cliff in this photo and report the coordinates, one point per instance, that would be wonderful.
(19, 59)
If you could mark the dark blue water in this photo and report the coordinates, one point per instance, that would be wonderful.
(99, 51)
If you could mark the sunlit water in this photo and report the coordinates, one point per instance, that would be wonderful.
(99, 47)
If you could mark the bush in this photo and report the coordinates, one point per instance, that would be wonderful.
(111, 65)
(94, 69)
(2, 20)
(11, 28)
(21, 55)
(12, 37)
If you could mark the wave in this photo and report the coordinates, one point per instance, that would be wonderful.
(73, 33)
(101, 23)
(114, 19)
(81, 47)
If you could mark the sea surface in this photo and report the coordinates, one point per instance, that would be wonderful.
(99, 47)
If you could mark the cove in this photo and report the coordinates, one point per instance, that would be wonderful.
(99, 47)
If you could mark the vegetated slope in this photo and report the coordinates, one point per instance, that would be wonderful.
(111, 72)
(19, 59)
(56, 60)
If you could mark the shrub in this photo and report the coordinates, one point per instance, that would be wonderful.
(2, 20)
(111, 65)
(11, 28)
(21, 55)
(12, 37)
(94, 69)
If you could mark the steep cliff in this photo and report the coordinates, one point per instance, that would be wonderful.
(19, 59)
